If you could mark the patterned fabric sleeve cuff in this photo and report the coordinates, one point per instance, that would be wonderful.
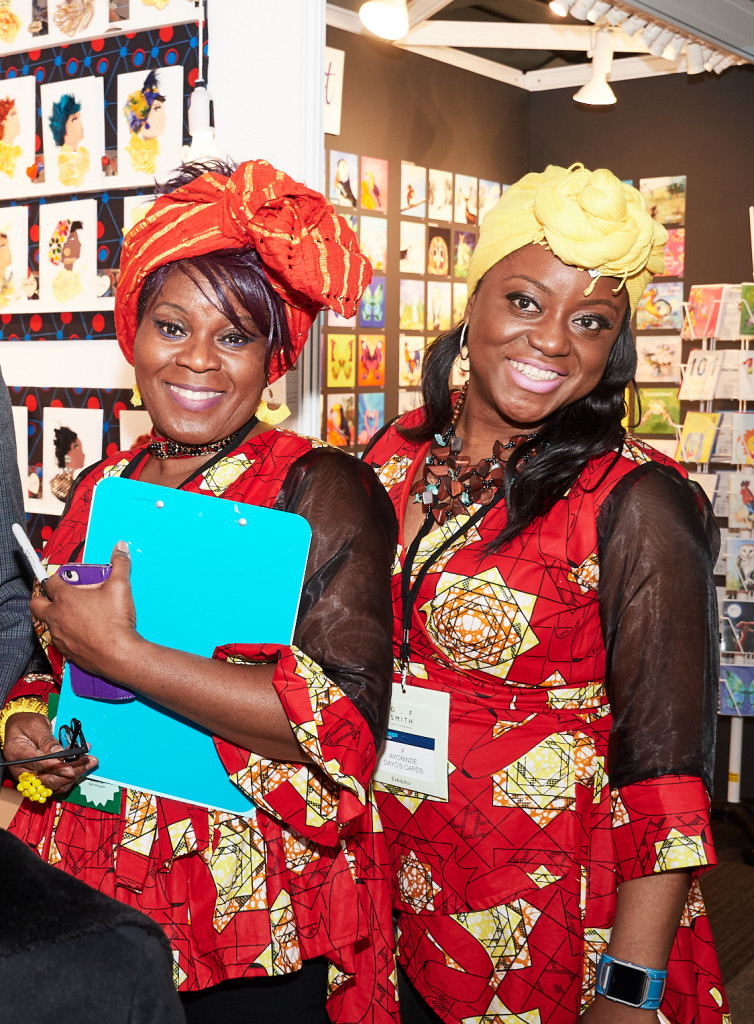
(316, 799)
(33, 704)
(662, 825)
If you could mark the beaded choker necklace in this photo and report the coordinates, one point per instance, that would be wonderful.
(449, 483)
(164, 448)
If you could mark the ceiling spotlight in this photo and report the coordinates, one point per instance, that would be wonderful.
(581, 8)
(674, 47)
(650, 33)
(561, 7)
(708, 55)
(657, 49)
(694, 59)
(616, 16)
(725, 64)
(596, 92)
(715, 61)
(633, 24)
(385, 18)
(598, 9)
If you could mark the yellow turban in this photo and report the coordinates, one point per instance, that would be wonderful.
(588, 219)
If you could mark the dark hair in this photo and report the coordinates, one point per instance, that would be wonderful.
(66, 107)
(229, 274)
(64, 438)
(587, 428)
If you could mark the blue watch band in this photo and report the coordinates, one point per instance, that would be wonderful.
(630, 984)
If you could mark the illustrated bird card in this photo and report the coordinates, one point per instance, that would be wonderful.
(438, 252)
(373, 241)
(410, 360)
(739, 573)
(17, 131)
(372, 305)
(740, 508)
(344, 175)
(697, 437)
(658, 411)
(68, 253)
(150, 124)
(371, 415)
(465, 243)
(700, 375)
(413, 190)
(737, 626)
(702, 312)
(438, 306)
(736, 689)
(413, 247)
(661, 307)
(17, 283)
(489, 194)
(371, 361)
(411, 305)
(743, 438)
(746, 323)
(465, 204)
(440, 196)
(665, 198)
(675, 252)
(341, 364)
(340, 428)
(73, 133)
(374, 193)
(659, 359)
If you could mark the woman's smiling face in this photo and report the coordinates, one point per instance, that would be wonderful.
(200, 378)
(536, 341)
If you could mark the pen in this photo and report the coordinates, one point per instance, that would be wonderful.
(31, 556)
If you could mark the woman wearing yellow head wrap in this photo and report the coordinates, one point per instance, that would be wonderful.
(555, 626)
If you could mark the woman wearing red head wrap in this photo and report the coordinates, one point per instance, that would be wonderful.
(219, 285)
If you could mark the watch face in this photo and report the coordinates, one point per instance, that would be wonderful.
(626, 984)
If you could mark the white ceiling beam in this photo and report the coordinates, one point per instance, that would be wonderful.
(469, 62)
(515, 36)
(348, 21)
(574, 75)
(421, 10)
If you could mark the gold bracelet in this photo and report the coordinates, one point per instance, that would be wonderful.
(15, 707)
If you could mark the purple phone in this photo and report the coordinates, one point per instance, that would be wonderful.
(83, 684)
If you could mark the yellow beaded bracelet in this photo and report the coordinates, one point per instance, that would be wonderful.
(32, 788)
(33, 704)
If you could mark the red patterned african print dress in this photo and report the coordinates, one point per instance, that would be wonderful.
(506, 891)
(306, 875)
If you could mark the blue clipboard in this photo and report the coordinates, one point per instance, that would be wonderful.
(204, 572)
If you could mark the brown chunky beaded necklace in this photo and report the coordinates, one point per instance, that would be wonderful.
(449, 483)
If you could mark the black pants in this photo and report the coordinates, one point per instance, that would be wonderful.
(298, 997)
(413, 1008)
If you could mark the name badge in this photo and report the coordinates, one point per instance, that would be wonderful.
(415, 756)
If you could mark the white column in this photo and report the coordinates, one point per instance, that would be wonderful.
(266, 75)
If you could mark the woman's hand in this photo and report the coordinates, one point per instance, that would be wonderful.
(28, 735)
(94, 625)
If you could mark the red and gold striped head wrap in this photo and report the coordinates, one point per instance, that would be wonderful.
(309, 253)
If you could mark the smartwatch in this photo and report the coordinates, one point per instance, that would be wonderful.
(628, 983)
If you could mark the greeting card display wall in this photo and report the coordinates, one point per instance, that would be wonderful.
(61, 228)
(716, 442)
(418, 226)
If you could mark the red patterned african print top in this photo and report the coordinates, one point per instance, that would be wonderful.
(306, 874)
(506, 891)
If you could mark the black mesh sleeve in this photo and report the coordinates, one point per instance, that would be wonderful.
(658, 542)
(345, 621)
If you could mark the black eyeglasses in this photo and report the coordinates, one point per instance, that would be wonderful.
(71, 737)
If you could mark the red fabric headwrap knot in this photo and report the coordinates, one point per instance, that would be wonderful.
(310, 255)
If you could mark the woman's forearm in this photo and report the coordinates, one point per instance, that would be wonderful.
(647, 916)
(237, 702)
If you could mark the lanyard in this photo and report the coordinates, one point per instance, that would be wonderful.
(409, 591)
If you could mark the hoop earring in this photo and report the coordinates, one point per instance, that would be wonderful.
(464, 356)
